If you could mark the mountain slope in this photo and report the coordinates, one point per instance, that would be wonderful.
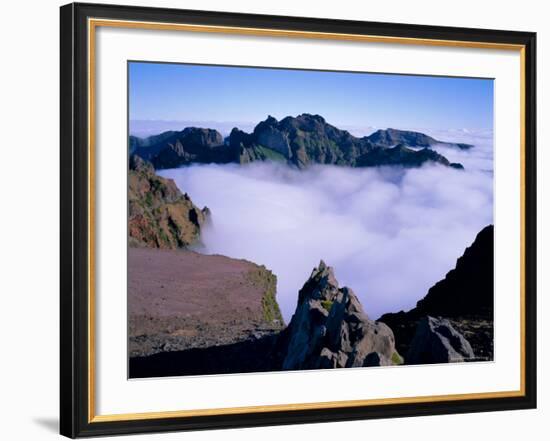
(298, 141)
(403, 156)
(160, 216)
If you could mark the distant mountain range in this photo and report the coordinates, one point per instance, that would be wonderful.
(299, 141)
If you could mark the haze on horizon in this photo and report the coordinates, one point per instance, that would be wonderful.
(170, 96)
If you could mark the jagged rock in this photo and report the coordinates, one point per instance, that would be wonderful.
(267, 134)
(298, 141)
(436, 341)
(464, 296)
(469, 287)
(160, 216)
(192, 145)
(330, 329)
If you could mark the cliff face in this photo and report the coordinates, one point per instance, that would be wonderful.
(309, 139)
(465, 297)
(160, 216)
(298, 141)
(469, 287)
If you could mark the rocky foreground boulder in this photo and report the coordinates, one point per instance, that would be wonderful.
(330, 329)
(436, 341)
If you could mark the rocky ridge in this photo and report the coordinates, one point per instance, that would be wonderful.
(298, 141)
(393, 137)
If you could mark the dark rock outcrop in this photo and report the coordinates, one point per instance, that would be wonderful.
(145, 146)
(160, 216)
(464, 296)
(404, 156)
(436, 341)
(298, 141)
(469, 287)
(191, 145)
(330, 329)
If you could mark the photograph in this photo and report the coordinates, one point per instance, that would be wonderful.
(282, 219)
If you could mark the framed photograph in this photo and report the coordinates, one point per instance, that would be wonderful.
(274, 220)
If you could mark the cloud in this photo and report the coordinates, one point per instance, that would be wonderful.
(389, 233)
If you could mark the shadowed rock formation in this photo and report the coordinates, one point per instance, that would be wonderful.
(469, 287)
(465, 297)
(436, 341)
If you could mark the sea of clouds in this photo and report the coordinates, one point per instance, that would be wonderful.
(389, 233)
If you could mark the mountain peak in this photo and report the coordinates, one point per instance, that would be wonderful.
(309, 116)
(298, 141)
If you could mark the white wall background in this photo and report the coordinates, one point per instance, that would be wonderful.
(29, 216)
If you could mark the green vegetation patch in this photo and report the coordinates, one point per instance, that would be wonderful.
(267, 280)
(270, 154)
(396, 359)
(327, 304)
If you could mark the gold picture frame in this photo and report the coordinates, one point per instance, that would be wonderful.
(79, 24)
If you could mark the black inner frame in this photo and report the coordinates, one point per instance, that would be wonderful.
(74, 220)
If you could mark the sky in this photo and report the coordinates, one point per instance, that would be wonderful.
(183, 92)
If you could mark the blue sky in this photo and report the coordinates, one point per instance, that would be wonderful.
(182, 92)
